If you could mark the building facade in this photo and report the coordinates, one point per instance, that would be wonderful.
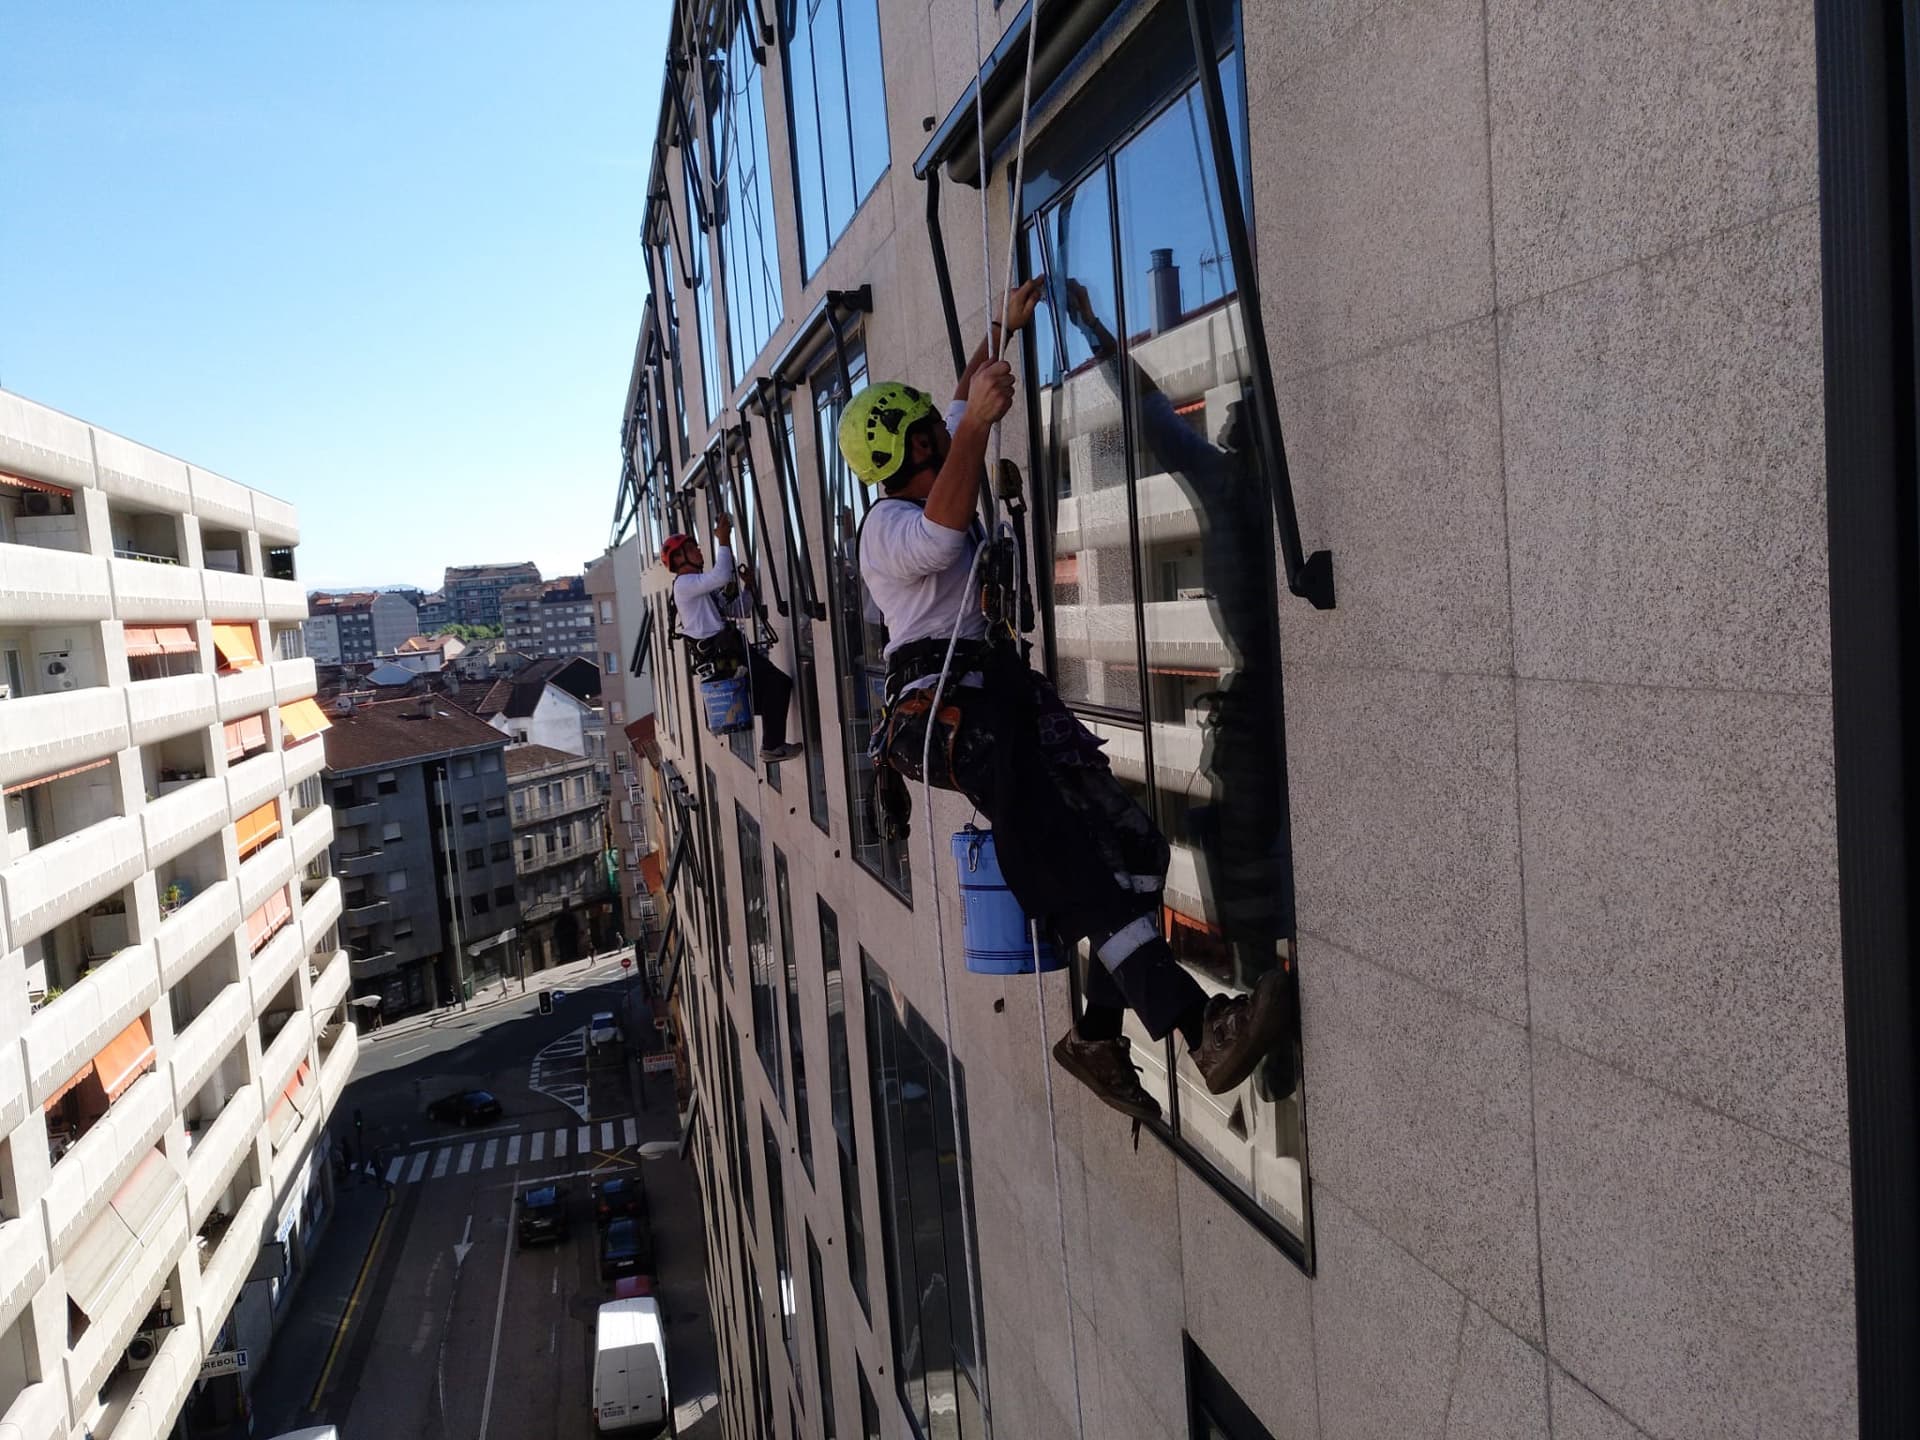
(473, 592)
(621, 610)
(435, 612)
(352, 629)
(548, 619)
(559, 854)
(423, 849)
(1531, 787)
(173, 995)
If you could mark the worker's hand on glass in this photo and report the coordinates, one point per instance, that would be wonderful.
(990, 395)
(1021, 303)
(1081, 312)
(722, 529)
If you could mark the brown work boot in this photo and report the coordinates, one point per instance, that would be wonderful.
(1105, 1067)
(1238, 1031)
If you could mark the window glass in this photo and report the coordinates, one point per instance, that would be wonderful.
(858, 632)
(722, 921)
(840, 1081)
(796, 1048)
(935, 1358)
(833, 74)
(807, 682)
(822, 1342)
(760, 977)
(869, 1412)
(713, 383)
(777, 1223)
(737, 123)
(1214, 1410)
(1165, 568)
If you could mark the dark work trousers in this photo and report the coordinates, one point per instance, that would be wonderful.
(1078, 852)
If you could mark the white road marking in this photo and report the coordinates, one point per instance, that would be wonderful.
(632, 1132)
(486, 1155)
(583, 1142)
(559, 1144)
(466, 1158)
(419, 1166)
(440, 1162)
(393, 1170)
(493, 1357)
(410, 1050)
(539, 1147)
(513, 1150)
(606, 1135)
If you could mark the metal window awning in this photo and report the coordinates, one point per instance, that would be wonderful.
(247, 733)
(143, 1201)
(236, 647)
(38, 487)
(302, 719)
(256, 828)
(146, 641)
(25, 785)
(124, 1059)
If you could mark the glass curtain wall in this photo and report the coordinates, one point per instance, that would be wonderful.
(796, 1045)
(822, 1341)
(714, 381)
(760, 978)
(833, 73)
(782, 1255)
(936, 1362)
(860, 636)
(840, 1079)
(1164, 602)
(807, 682)
(742, 189)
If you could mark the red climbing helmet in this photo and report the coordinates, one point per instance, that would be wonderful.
(674, 548)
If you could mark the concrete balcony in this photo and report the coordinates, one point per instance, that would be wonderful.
(227, 1267)
(183, 818)
(291, 1154)
(60, 879)
(293, 679)
(285, 600)
(218, 501)
(38, 1412)
(252, 783)
(199, 1049)
(45, 734)
(40, 586)
(304, 760)
(270, 868)
(331, 988)
(100, 1160)
(372, 967)
(276, 963)
(151, 590)
(336, 1068)
(13, 1082)
(128, 470)
(44, 444)
(224, 1146)
(283, 1057)
(23, 1264)
(100, 1349)
(368, 913)
(66, 1033)
(276, 520)
(188, 935)
(173, 705)
(312, 834)
(245, 692)
(320, 913)
(233, 597)
(361, 862)
(162, 1388)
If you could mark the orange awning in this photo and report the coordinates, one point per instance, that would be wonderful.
(300, 719)
(175, 639)
(263, 924)
(15, 789)
(235, 644)
(296, 1090)
(141, 641)
(650, 872)
(20, 482)
(256, 828)
(79, 1077)
(249, 732)
(125, 1059)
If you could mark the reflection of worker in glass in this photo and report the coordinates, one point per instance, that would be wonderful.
(1076, 850)
(708, 602)
(1240, 833)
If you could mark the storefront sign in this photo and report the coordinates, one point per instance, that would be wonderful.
(659, 1063)
(224, 1362)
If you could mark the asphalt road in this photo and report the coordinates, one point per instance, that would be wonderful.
(443, 1327)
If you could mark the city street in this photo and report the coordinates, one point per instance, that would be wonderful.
(421, 1315)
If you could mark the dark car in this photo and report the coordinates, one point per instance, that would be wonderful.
(625, 1249)
(543, 1215)
(617, 1196)
(469, 1107)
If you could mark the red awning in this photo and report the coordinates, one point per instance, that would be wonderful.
(20, 482)
(141, 641)
(57, 775)
(125, 1059)
(176, 640)
(650, 872)
(249, 732)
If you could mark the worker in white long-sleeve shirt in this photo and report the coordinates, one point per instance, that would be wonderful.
(708, 603)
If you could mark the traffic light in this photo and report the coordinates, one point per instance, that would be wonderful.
(546, 1002)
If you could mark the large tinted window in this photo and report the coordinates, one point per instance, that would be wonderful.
(760, 977)
(717, 860)
(743, 198)
(796, 1045)
(833, 76)
(822, 1342)
(782, 1254)
(714, 382)
(859, 635)
(1164, 613)
(936, 1364)
(840, 1078)
(807, 682)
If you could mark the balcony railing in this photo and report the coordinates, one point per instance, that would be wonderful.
(56, 881)
(372, 966)
(223, 1146)
(45, 734)
(23, 1265)
(361, 862)
(170, 705)
(126, 553)
(186, 936)
(146, 591)
(38, 585)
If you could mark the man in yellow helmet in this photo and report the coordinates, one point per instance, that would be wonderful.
(1077, 851)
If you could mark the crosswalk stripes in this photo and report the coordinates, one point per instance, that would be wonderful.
(559, 1144)
(606, 1135)
(441, 1160)
(486, 1155)
(466, 1158)
(631, 1132)
(419, 1167)
(434, 1161)
(513, 1151)
(537, 1149)
(583, 1142)
(393, 1170)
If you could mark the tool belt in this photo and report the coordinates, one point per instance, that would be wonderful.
(899, 737)
(720, 656)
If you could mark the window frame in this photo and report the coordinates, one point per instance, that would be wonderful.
(1212, 1404)
(799, 174)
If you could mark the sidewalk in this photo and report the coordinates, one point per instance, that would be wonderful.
(574, 976)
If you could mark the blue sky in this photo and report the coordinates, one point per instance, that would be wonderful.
(380, 259)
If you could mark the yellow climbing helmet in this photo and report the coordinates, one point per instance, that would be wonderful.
(873, 429)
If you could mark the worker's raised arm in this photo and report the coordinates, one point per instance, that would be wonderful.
(1020, 307)
(716, 576)
(990, 395)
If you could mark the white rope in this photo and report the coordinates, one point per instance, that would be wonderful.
(1059, 1193)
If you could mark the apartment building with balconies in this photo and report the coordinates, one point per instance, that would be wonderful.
(559, 854)
(1521, 313)
(174, 1028)
(423, 850)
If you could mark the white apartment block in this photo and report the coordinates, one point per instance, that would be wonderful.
(173, 1028)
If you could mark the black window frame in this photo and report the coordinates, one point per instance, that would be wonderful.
(822, 1339)
(762, 988)
(787, 1301)
(841, 1096)
(808, 607)
(800, 127)
(1213, 1407)
(796, 1042)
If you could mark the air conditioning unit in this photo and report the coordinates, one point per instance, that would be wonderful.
(143, 1347)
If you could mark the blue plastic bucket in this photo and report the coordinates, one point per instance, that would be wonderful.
(997, 940)
(728, 705)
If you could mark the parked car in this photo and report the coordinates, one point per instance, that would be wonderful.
(617, 1196)
(625, 1249)
(543, 1215)
(602, 1029)
(468, 1107)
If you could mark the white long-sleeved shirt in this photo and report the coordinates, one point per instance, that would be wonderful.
(694, 596)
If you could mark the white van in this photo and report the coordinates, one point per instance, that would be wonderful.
(629, 1367)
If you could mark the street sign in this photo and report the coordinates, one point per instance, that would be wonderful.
(223, 1362)
(626, 962)
(659, 1063)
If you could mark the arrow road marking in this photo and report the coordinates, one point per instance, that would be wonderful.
(464, 1244)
